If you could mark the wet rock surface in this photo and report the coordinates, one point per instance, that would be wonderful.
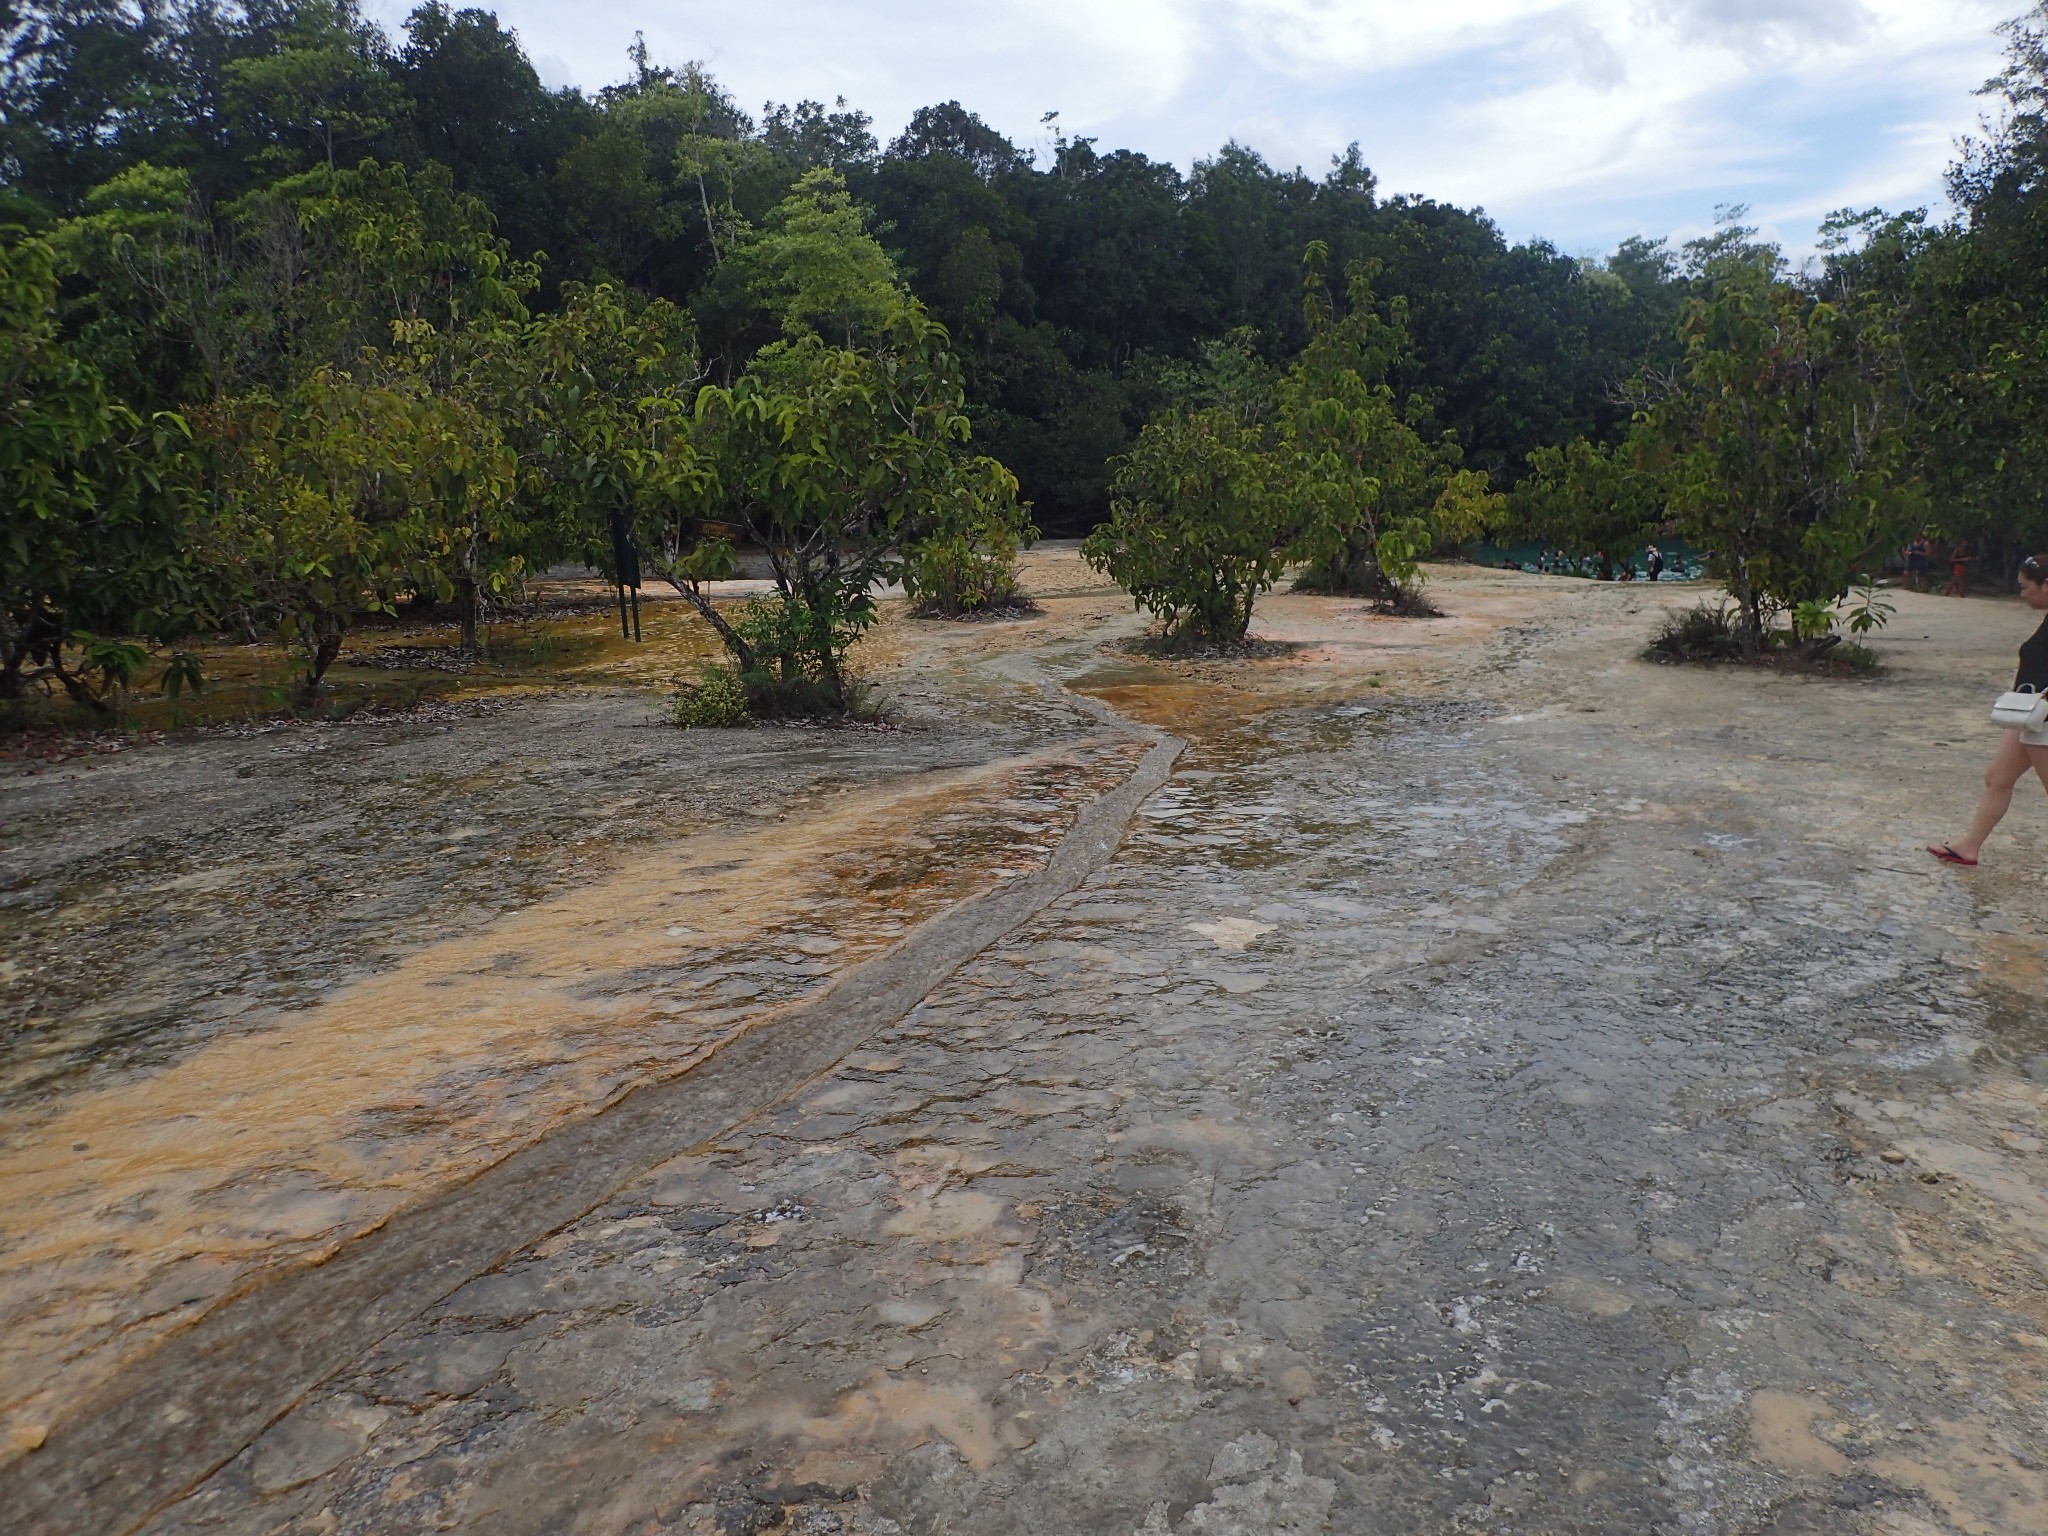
(1396, 1138)
(711, 879)
(1450, 1110)
(164, 898)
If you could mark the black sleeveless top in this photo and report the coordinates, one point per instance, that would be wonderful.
(2033, 671)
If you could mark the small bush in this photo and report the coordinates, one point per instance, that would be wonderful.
(773, 697)
(967, 563)
(1711, 633)
(1398, 599)
(1406, 602)
(716, 702)
(1705, 632)
(951, 578)
(1180, 645)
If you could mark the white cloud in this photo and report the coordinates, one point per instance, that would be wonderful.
(1754, 24)
(1580, 119)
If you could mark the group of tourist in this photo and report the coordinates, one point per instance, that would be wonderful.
(1920, 564)
(1918, 556)
(1601, 564)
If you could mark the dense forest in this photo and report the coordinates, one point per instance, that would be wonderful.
(1068, 288)
(305, 320)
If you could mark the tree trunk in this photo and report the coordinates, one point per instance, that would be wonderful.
(1750, 628)
(75, 685)
(836, 681)
(318, 661)
(13, 657)
(741, 651)
(472, 603)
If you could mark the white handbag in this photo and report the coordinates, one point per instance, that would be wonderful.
(2024, 710)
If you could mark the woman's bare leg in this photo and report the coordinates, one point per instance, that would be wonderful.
(2007, 767)
(2039, 756)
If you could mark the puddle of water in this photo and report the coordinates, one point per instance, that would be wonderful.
(1128, 675)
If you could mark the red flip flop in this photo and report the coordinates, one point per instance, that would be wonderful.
(1948, 855)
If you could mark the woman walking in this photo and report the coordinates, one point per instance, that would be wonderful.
(2020, 750)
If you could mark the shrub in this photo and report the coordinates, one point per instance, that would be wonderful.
(794, 648)
(717, 701)
(1406, 602)
(950, 577)
(967, 562)
(833, 460)
(1716, 632)
(770, 698)
(1705, 632)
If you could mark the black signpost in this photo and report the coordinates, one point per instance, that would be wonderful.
(626, 563)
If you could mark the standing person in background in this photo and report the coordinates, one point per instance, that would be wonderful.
(2020, 750)
(1918, 559)
(1655, 564)
(1959, 570)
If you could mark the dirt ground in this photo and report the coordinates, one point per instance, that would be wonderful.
(1495, 1084)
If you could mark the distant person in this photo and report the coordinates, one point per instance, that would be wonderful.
(1959, 570)
(1606, 563)
(1919, 560)
(2020, 750)
(1654, 565)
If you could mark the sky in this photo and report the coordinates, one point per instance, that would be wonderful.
(1578, 121)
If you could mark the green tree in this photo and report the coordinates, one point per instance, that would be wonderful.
(94, 542)
(1972, 301)
(1376, 494)
(479, 538)
(808, 136)
(342, 497)
(599, 402)
(406, 255)
(71, 77)
(669, 170)
(1779, 444)
(365, 457)
(836, 449)
(814, 268)
(323, 95)
(1585, 497)
(1200, 523)
(478, 107)
(831, 460)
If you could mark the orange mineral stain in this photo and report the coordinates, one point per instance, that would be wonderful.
(128, 1209)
